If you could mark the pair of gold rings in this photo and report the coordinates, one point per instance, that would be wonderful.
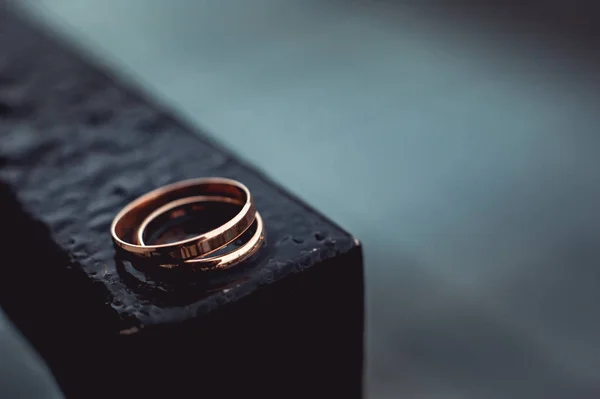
(131, 227)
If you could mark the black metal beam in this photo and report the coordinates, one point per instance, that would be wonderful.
(76, 146)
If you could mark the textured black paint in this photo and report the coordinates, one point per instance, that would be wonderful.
(74, 148)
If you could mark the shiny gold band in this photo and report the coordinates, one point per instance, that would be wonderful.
(125, 226)
(249, 248)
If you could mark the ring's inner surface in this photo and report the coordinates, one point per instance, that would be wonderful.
(188, 220)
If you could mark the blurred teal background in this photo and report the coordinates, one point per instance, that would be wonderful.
(461, 150)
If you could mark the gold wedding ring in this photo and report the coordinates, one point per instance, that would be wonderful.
(131, 223)
(249, 248)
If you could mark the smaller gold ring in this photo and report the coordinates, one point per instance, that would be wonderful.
(225, 261)
(199, 199)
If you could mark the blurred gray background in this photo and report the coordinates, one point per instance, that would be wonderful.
(460, 144)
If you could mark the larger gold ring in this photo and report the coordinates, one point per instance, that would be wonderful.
(125, 226)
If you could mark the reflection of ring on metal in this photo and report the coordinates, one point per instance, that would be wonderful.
(125, 225)
(181, 207)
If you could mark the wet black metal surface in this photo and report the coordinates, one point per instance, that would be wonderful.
(74, 148)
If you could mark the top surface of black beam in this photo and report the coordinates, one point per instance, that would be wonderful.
(76, 147)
